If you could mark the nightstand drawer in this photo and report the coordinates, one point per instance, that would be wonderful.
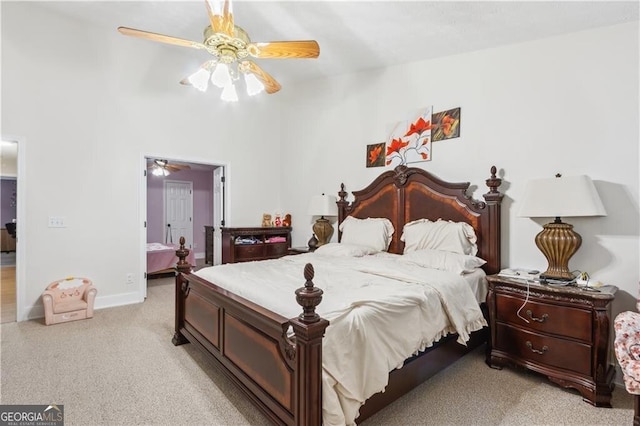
(551, 351)
(558, 320)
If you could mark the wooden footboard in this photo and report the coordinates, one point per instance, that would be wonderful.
(282, 375)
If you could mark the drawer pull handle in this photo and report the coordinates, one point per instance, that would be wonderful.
(543, 319)
(538, 351)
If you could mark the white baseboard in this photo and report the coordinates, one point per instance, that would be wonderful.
(37, 311)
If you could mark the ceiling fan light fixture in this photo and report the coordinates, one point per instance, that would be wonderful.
(229, 44)
(159, 171)
(221, 76)
(254, 86)
(229, 93)
(200, 79)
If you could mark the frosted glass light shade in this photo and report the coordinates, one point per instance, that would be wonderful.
(220, 76)
(254, 86)
(229, 93)
(200, 79)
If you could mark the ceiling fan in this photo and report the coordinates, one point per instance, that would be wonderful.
(163, 168)
(232, 50)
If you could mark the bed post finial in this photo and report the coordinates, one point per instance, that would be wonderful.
(309, 329)
(493, 182)
(182, 253)
(342, 193)
(309, 297)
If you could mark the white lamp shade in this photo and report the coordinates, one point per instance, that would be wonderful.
(323, 205)
(570, 196)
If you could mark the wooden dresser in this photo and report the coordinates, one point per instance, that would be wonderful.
(247, 244)
(565, 336)
(208, 245)
(7, 242)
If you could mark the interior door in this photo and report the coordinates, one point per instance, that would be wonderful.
(178, 207)
(218, 213)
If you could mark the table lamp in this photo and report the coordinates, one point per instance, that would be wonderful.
(323, 205)
(570, 196)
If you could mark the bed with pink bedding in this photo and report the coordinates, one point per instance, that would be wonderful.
(162, 259)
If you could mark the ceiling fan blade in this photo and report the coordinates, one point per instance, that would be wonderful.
(270, 84)
(221, 16)
(285, 49)
(161, 38)
(177, 167)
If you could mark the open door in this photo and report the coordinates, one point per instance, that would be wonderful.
(188, 199)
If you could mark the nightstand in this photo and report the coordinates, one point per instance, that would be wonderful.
(299, 250)
(565, 336)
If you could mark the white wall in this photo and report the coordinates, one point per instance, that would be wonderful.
(566, 104)
(89, 103)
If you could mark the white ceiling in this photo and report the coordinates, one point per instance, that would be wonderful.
(360, 35)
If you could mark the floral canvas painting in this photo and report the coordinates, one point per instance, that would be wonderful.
(375, 155)
(410, 141)
(446, 125)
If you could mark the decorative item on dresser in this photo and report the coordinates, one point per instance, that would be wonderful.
(557, 197)
(559, 331)
(283, 374)
(323, 205)
(257, 243)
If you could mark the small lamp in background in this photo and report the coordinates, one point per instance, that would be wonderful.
(558, 197)
(323, 205)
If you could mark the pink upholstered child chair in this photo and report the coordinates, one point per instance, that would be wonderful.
(627, 348)
(68, 299)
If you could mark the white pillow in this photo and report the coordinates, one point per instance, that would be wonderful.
(371, 232)
(344, 250)
(457, 237)
(444, 260)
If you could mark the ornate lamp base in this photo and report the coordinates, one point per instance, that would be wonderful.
(323, 230)
(558, 242)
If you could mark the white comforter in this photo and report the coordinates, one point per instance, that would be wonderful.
(381, 311)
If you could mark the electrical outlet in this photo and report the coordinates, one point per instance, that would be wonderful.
(129, 279)
(56, 222)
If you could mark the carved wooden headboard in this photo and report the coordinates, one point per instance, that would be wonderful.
(408, 193)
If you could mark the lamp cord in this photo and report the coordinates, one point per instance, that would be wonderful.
(524, 303)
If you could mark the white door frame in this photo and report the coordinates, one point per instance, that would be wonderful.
(142, 206)
(21, 242)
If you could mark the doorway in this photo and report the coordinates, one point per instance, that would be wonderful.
(8, 229)
(188, 195)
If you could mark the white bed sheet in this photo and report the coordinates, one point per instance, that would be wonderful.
(381, 311)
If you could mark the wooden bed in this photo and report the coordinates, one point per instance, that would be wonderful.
(282, 375)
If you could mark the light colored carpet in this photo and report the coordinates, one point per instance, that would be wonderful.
(121, 368)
